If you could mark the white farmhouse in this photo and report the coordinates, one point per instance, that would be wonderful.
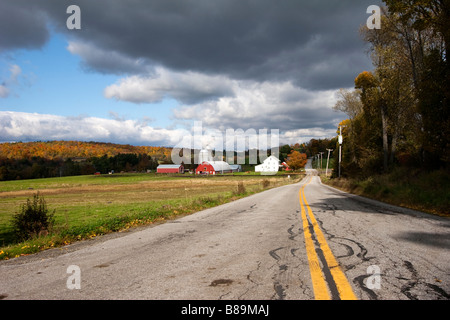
(269, 166)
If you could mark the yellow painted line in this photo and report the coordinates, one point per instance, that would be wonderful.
(319, 285)
(344, 288)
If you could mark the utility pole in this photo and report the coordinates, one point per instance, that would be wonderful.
(321, 160)
(340, 149)
(328, 160)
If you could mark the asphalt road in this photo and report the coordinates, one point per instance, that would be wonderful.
(301, 241)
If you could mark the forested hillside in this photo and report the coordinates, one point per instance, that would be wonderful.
(28, 160)
(71, 149)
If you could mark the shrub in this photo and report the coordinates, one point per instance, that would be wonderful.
(265, 183)
(33, 220)
(240, 188)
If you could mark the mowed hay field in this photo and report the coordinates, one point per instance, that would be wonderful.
(87, 206)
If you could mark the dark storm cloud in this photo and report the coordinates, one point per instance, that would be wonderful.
(315, 44)
(21, 26)
(228, 63)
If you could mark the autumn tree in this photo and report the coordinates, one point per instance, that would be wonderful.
(296, 160)
(349, 102)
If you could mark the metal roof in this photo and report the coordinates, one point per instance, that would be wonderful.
(219, 165)
(169, 166)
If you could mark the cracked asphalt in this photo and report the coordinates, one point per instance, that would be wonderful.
(253, 248)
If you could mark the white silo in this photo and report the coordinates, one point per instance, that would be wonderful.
(205, 155)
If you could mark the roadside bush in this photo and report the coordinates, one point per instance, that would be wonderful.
(240, 188)
(33, 220)
(265, 183)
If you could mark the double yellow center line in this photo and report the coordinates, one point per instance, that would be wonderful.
(320, 287)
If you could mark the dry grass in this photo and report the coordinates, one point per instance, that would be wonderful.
(158, 186)
(86, 203)
(415, 189)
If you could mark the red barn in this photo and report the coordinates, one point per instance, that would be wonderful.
(170, 168)
(213, 167)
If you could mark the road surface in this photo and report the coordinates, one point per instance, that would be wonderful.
(298, 242)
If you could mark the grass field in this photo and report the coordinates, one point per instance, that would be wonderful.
(87, 206)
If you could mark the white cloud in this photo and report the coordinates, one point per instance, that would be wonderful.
(305, 135)
(188, 87)
(20, 126)
(269, 105)
(5, 89)
(220, 102)
(15, 72)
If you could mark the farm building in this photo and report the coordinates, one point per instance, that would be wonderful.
(236, 167)
(213, 167)
(284, 166)
(271, 164)
(205, 155)
(170, 168)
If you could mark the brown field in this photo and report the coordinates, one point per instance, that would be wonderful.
(85, 202)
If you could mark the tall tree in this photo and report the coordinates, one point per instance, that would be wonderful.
(374, 105)
(424, 26)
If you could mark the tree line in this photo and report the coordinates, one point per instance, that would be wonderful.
(296, 155)
(399, 112)
(45, 159)
(40, 159)
(38, 167)
(77, 149)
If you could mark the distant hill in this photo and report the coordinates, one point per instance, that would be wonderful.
(77, 149)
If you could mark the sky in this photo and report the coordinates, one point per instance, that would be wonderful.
(143, 72)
